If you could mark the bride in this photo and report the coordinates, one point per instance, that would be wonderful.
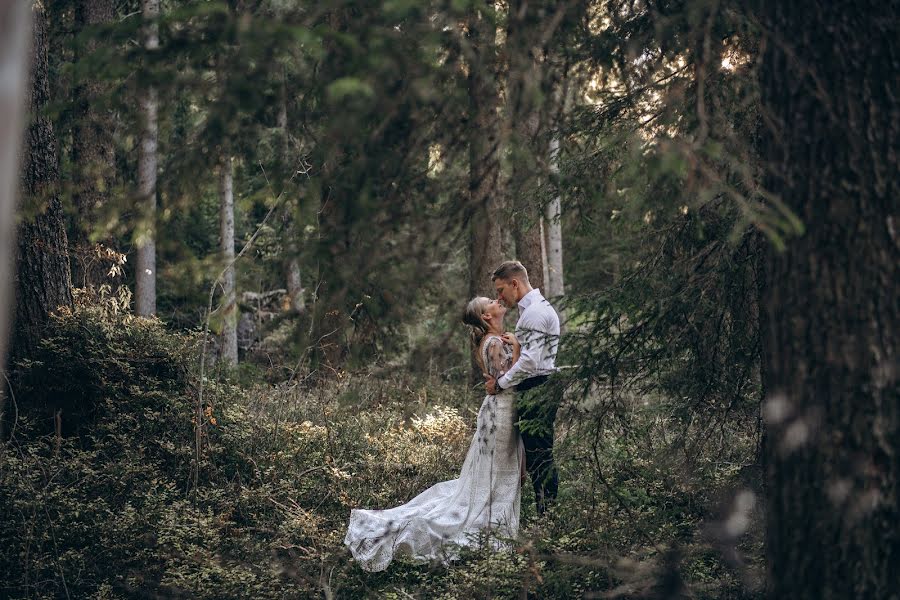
(485, 497)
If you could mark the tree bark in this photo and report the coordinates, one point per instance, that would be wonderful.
(553, 231)
(229, 352)
(295, 284)
(145, 293)
(43, 281)
(485, 206)
(526, 218)
(93, 152)
(15, 24)
(831, 316)
(292, 272)
(530, 24)
(529, 246)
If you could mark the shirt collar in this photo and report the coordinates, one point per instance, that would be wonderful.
(530, 298)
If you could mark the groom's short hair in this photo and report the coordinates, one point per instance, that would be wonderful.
(511, 269)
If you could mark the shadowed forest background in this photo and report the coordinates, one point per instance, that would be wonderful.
(237, 238)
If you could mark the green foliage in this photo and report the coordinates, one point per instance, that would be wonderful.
(335, 114)
(101, 502)
(112, 512)
(347, 87)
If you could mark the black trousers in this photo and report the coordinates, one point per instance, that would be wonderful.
(536, 418)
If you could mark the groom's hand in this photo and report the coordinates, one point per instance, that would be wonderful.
(490, 385)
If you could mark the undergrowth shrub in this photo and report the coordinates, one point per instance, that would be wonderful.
(114, 508)
(109, 507)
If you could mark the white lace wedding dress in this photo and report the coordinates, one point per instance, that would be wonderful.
(451, 514)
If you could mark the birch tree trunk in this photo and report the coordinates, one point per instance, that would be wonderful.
(831, 318)
(485, 207)
(295, 283)
(15, 23)
(553, 231)
(229, 352)
(145, 293)
(43, 278)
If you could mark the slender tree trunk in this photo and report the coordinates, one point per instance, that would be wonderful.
(830, 364)
(229, 300)
(292, 272)
(92, 149)
(145, 296)
(282, 124)
(15, 25)
(43, 280)
(543, 225)
(553, 231)
(530, 247)
(526, 218)
(485, 210)
(530, 24)
(484, 159)
(295, 285)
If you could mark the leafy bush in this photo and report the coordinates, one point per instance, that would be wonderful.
(118, 507)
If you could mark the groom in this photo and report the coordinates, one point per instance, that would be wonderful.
(538, 333)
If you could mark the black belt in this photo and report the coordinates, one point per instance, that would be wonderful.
(532, 382)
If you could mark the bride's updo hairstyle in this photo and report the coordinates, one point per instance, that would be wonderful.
(474, 318)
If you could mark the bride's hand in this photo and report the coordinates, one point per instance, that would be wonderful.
(510, 339)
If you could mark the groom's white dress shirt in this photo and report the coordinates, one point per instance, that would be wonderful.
(538, 333)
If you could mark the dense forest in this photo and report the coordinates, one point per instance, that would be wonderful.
(237, 240)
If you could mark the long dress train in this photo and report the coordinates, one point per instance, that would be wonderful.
(451, 514)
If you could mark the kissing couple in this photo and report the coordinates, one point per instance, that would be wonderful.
(514, 434)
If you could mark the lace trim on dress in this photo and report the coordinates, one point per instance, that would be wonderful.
(496, 356)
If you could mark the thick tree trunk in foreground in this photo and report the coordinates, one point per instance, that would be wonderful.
(43, 281)
(15, 27)
(831, 320)
(145, 292)
(93, 153)
(484, 160)
(229, 353)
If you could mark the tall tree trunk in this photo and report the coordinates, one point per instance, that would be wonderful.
(15, 25)
(292, 272)
(92, 149)
(145, 296)
(43, 280)
(294, 282)
(553, 231)
(526, 218)
(830, 364)
(485, 209)
(229, 352)
(484, 159)
(529, 27)
(529, 248)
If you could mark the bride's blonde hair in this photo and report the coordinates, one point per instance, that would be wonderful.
(474, 318)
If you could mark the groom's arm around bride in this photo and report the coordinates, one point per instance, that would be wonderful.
(538, 333)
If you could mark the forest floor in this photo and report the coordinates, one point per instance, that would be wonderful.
(121, 512)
